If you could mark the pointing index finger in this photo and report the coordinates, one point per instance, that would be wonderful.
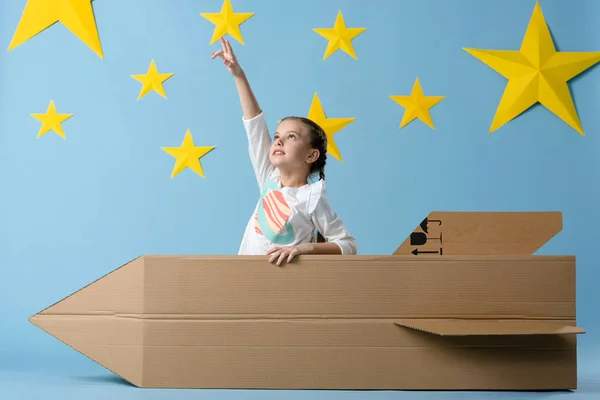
(228, 47)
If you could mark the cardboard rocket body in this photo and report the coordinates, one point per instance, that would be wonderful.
(497, 319)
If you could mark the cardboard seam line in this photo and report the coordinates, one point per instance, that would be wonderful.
(299, 317)
(244, 346)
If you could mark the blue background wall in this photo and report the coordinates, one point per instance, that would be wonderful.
(72, 210)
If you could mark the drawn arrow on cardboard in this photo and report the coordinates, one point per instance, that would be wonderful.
(481, 233)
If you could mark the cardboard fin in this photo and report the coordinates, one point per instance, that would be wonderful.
(474, 327)
(481, 233)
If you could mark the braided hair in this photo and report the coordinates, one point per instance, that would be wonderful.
(318, 140)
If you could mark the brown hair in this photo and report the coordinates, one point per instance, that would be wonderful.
(318, 140)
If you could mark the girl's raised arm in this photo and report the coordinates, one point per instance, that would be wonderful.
(250, 107)
(259, 141)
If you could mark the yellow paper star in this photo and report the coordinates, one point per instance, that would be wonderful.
(227, 22)
(536, 73)
(187, 156)
(152, 80)
(339, 37)
(330, 125)
(417, 105)
(76, 15)
(51, 121)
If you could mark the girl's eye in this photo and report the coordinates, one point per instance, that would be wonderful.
(292, 136)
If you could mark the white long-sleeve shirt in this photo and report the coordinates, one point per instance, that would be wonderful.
(286, 216)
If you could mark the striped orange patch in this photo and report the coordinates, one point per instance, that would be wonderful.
(276, 209)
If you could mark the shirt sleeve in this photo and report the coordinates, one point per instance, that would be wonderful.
(259, 143)
(329, 223)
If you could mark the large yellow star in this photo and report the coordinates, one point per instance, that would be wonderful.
(188, 155)
(152, 80)
(51, 121)
(330, 125)
(417, 105)
(76, 15)
(536, 73)
(227, 22)
(339, 37)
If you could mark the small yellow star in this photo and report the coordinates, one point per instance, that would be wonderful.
(152, 80)
(76, 15)
(339, 37)
(330, 125)
(187, 156)
(536, 73)
(51, 121)
(417, 105)
(227, 22)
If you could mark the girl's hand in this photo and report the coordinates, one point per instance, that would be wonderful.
(228, 58)
(280, 253)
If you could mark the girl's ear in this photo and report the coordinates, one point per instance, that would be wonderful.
(313, 156)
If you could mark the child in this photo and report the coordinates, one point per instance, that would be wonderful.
(290, 209)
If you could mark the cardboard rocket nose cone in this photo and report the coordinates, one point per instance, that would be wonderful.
(89, 322)
(505, 321)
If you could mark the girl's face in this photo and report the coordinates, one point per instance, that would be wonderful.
(291, 146)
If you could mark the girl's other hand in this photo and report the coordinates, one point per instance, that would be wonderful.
(228, 57)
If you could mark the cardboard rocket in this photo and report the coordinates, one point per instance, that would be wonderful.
(471, 310)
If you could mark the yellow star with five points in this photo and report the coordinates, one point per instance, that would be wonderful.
(76, 15)
(339, 37)
(331, 126)
(417, 105)
(188, 155)
(536, 73)
(51, 121)
(152, 80)
(227, 22)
